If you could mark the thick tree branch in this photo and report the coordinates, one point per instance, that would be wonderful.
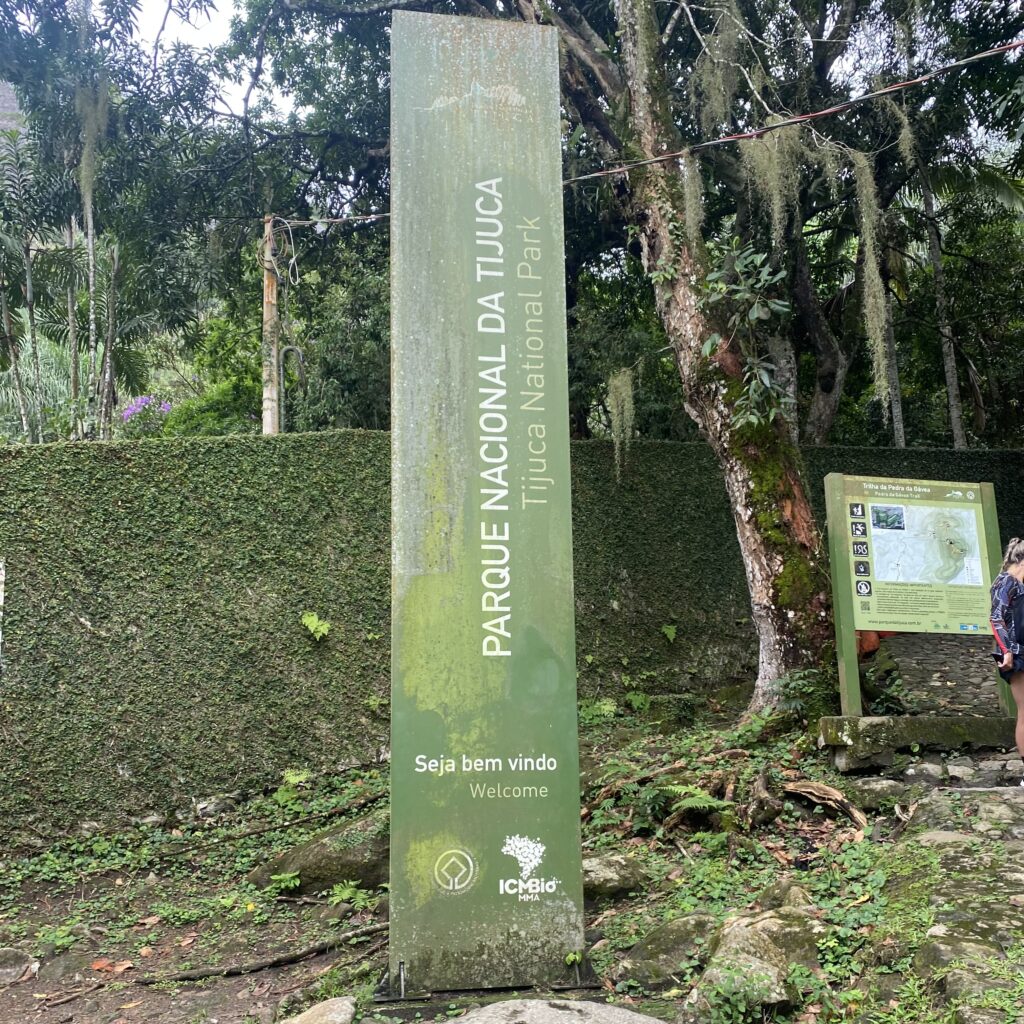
(826, 51)
(357, 10)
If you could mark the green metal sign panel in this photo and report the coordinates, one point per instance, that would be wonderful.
(486, 884)
(908, 556)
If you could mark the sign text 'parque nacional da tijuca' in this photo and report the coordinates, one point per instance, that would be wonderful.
(485, 856)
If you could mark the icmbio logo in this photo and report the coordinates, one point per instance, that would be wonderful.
(529, 853)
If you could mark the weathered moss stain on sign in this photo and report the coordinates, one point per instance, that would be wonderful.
(154, 588)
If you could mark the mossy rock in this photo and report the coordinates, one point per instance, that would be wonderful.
(612, 874)
(745, 963)
(357, 851)
(793, 930)
(872, 794)
(873, 740)
(658, 956)
(784, 892)
(939, 953)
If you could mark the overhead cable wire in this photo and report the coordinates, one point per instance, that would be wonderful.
(798, 119)
(753, 133)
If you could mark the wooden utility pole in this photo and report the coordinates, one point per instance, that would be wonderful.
(271, 334)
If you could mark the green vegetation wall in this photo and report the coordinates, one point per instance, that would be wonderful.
(152, 652)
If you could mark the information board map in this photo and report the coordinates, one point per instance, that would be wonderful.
(917, 553)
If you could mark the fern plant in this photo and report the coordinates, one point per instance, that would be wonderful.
(352, 893)
(694, 799)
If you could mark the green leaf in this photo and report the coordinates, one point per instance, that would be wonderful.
(317, 627)
(669, 631)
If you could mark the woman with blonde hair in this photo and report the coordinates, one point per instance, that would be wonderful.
(1008, 628)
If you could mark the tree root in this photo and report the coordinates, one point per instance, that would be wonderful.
(88, 990)
(281, 960)
(764, 807)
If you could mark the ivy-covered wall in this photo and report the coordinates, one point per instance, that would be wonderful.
(152, 650)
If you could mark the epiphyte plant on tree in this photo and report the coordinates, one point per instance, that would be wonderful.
(742, 284)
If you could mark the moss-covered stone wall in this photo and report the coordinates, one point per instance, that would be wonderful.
(152, 650)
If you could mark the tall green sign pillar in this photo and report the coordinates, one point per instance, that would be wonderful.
(485, 854)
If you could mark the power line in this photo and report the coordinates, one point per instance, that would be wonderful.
(754, 133)
(798, 119)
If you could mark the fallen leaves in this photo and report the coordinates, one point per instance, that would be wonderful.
(107, 966)
(779, 852)
(30, 972)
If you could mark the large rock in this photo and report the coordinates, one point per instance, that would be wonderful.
(334, 1011)
(964, 985)
(871, 794)
(666, 952)
(64, 969)
(611, 874)
(356, 851)
(752, 953)
(976, 1015)
(746, 966)
(794, 930)
(784, 892)
(941, 951)
(553, 1011)
(13, 964)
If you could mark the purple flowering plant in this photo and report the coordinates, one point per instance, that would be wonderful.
(144, 416)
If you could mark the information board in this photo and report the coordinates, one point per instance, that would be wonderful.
(917, 553)
(910, 556)
(486, 886)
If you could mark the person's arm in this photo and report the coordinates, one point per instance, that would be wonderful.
(1000, 618)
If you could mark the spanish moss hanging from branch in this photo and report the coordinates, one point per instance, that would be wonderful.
(873, 290)
(621, 414)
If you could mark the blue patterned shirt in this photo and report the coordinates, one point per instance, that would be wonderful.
(1007, 612)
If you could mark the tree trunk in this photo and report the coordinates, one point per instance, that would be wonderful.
(892, 373)
(783, 357)
(778, 538)
(91, 388)
(33, 341)
(271, 336)
(73, 343)
(956, 415)
(831, 363)
(106, 387)
(12, 348)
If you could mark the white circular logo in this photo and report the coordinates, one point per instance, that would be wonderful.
(454, 870)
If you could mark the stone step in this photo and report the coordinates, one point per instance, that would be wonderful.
(874, 740)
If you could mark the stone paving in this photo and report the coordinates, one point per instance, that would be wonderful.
(945, 674)
(976, 900)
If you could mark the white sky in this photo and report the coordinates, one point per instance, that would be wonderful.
(209, 29)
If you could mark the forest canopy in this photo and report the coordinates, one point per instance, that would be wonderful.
(871, 257)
